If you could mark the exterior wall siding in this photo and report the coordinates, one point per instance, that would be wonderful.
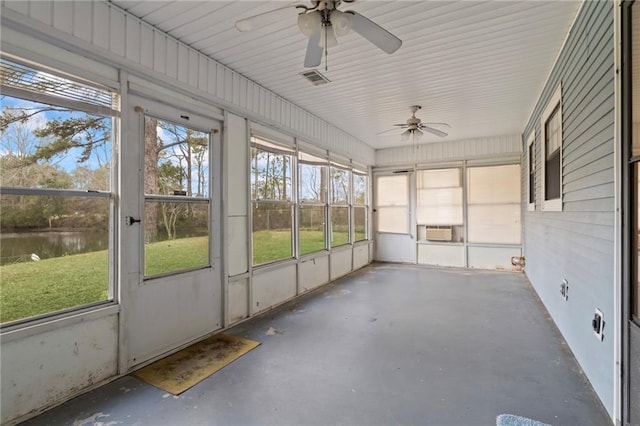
(104, 31)
(577, 243)
(468, 149)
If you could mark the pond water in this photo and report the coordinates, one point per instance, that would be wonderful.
(18, 246)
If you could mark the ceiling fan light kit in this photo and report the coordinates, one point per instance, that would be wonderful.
(414, 128)
(322, 22)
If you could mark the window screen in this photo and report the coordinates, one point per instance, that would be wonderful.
(493, 196)
(392, 200)
(553, 140)
(439, 197)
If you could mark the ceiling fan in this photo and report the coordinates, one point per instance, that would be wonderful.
(415, 127)
(322, 22)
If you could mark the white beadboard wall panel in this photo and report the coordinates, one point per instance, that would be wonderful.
(21, 7)
(133, 38)
(15, 43)
(100, 23)
(82, 26)
(63, 15)
(112, 29)
(491, 147)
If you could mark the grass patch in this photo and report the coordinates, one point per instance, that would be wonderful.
(269, 246)
(34, 288)
(176, 255)
(50, 285)
(311, 240)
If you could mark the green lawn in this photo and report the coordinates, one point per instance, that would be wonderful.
(176, 255)
(34, 288)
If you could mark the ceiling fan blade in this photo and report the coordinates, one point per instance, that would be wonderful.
(374, 33)
(433, 131)
(263, 19)
(391, 130)
(314, 51)
(438, 124)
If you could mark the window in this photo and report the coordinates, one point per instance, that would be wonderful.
(271, 200)
(439, 205)
(493, 202)
(551, 158)
(312, 197)
(340, 191)
(531, 171)
(631, 96)
(392, 204)
(56, 151)
(360, 205)
(176, 209)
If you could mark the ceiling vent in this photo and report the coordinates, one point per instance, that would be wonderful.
(315, 77)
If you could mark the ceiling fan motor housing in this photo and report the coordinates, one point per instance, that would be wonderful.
(413, 121)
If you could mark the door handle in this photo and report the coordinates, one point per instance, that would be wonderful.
(131, 220)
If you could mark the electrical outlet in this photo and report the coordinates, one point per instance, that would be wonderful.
(564, 289)
(597, 323)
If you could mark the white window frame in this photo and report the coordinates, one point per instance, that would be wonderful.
(302, 203)
(267, 144)
(531, 143)
(346, 204)
(354, 205)
(555, 101)
(109, 194)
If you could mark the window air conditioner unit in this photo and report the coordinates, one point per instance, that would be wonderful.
(439, 233)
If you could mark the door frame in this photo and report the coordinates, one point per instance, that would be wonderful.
(629, 200)
(134, 285)
(409, 172)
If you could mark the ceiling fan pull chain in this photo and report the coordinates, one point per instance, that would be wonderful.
(326, 51)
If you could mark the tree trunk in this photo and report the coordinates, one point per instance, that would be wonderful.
(151, 153)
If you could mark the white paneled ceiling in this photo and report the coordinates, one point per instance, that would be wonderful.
(478, 66)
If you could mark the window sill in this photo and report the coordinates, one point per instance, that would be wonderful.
(552, 205)
(44, 325)
(531, 207)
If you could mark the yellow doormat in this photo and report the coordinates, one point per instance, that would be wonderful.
(182, 370)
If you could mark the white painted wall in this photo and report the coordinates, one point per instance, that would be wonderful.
(313, 271)
(238, 299)
(50, 362)
(468, 149)
(492, 257)
(272, 285)
(361, 255)
(441, 254)
(340, 261)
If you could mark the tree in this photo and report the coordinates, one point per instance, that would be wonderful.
(17, 169)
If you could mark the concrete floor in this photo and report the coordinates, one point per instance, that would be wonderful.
(389, 344)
